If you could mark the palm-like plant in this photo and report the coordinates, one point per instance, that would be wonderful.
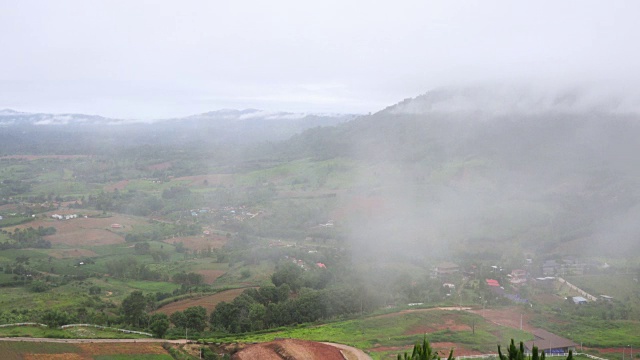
(423, 352)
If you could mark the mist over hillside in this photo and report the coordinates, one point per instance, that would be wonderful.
(460, 170)
(454, 171)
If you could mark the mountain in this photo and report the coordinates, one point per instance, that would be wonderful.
(464, 170)
(79, 133)
(10, 117)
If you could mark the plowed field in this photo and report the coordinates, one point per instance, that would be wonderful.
(290, 349)
(90, 231)
(208, 302)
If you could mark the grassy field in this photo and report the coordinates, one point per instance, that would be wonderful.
(388, 334)
(617, 286)
(70, 333)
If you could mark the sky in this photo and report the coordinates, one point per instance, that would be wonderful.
(160, 59)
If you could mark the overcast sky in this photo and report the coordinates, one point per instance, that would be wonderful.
(155, 59)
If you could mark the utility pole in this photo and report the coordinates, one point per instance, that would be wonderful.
(520, 321)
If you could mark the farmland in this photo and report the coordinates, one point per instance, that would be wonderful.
(82, 351)
(320, 247)
(209, 302)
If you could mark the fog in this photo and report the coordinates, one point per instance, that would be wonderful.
(498, 173)
(159, 59)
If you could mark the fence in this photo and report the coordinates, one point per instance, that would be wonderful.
(580, 291)
(106, 328)
(22, 324)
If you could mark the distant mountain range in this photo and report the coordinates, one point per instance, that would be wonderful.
(38, 132)
(9, 117)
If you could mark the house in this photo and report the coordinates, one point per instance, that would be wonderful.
(550, 343)
(549, 268)
(518, 277)
(446, 269)
(579, 300)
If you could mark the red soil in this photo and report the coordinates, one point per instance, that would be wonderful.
(290, 349)
(208, 302)
(210, 275)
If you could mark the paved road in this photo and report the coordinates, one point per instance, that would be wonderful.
(80, 341)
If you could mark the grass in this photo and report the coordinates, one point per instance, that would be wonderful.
(70, 333)
(596, 332)
(126, 286)
(63, 297)
(401, 330)
(618, 286)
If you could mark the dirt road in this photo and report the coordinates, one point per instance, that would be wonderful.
(350, 352)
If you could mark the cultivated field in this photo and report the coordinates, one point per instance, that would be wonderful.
(208, 302)
(210, 275)
(86, 232)
(28, 350)
(290, 349)
(199, 242)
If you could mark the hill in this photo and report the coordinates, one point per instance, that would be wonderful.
(37, 133)
(462, 168)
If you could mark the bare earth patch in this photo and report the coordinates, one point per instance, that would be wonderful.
(115, 348)
(210, 275)
(290, 349)
(89, 231)
(509, 317)
(208, 302)
(449, 324)
(64, 356)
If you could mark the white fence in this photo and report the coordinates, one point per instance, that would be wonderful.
(106, 328)
(580, 291)
(22, 324)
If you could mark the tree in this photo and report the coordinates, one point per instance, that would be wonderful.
(196, 318)
(55, 318)
(423, 352)
(178, 319)
(288, 274)
(133, 308)
(159, 324)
